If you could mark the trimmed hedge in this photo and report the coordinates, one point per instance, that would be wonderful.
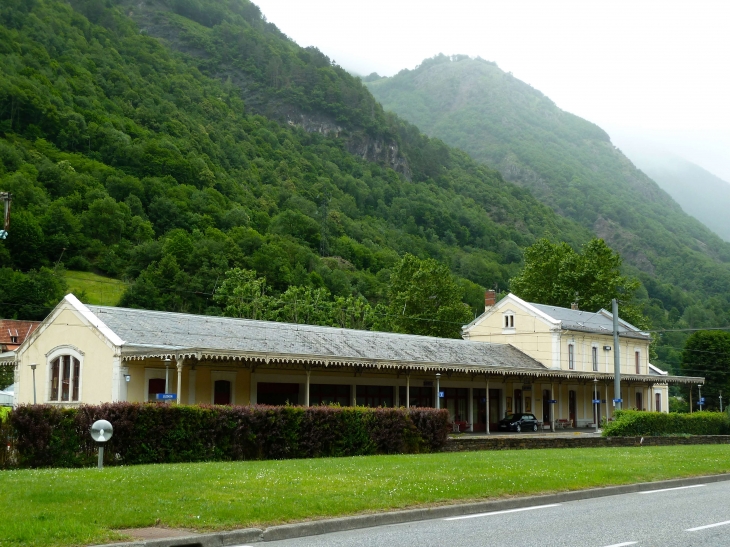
(48, 436)
(633, 423)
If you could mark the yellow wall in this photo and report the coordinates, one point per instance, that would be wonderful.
(68, 329)
(534, 336)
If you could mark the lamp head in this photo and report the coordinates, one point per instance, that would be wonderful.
(33, 365)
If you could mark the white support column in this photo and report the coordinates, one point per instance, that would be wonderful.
(306, 389)
(487, 402)
(438, 391)
(471, 409)
(192, 377)
(179, 362)
(552, 406)
(408, 390)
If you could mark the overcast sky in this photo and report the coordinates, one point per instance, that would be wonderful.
(654, 74)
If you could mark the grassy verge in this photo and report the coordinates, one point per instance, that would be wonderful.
(95, 289)
(84, 506)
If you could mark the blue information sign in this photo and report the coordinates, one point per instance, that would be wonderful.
(441, 394)
(618, 400)
(552, 401)
(596, 401)
(166, 396)
(701, 401)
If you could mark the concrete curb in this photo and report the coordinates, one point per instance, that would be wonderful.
(312, 528)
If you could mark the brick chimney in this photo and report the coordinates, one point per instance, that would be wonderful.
(490, 298)
(574, 306)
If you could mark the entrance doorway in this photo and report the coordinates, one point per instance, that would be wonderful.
(518, 401)
(639, 405)
(374, 396)
(455, 401)
(419, 396)
(545, 406)
(572, 414)
(495, 396)
(277, 394)
(596, 395)
(155, 386)
(479, 403)
(658, 404)
(222, 392)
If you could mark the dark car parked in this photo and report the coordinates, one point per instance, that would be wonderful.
(519, 422)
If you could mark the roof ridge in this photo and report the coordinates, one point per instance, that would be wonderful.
(94, 308)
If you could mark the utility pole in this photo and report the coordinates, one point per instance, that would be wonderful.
(616, 359)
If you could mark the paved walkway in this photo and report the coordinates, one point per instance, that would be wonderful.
(558, 434)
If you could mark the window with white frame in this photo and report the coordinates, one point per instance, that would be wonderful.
(571, 356)
(65, 379)
(594, 358)
(509, 320)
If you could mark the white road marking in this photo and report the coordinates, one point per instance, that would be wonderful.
(503, 512)
(623, 544)
(708, 526)
(670, 489)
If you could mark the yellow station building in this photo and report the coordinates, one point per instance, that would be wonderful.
(515, 357)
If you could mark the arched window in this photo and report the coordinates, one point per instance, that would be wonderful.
(65, 379)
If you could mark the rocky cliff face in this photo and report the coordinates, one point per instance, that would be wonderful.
(152, 18)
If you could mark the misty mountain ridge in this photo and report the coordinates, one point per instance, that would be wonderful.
(699, 192)
(567, 162)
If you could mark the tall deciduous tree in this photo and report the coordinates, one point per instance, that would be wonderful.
(707, 354)
(555, 274)
(424, 298)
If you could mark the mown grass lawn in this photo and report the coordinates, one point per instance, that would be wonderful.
(95, 289)
(84, 506)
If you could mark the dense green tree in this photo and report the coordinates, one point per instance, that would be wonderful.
(243, 294)
(30, 295)
(557, 275)
(425, 298)
(707, 354)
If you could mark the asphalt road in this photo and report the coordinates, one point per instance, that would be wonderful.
(687, 516)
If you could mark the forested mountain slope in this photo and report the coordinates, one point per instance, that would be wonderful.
(136, 141)
(568, 163)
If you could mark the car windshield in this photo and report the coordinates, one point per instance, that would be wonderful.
(509, 417)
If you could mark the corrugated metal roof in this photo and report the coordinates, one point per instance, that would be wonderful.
(177, 332)
(600, 321)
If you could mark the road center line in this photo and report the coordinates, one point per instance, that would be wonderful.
(708, 526)
(670, 489)
(623, 544)
(503, 512)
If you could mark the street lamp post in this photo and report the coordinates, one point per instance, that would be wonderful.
(32, 367)
(720, 400)
(438, 390)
